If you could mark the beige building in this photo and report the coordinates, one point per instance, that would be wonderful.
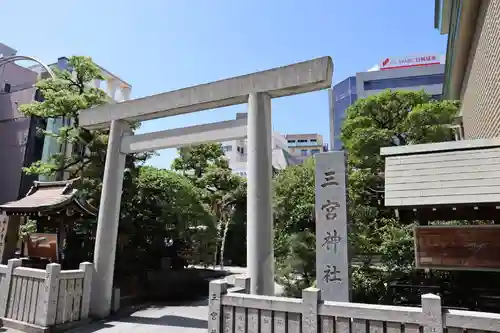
(473, 62)
(303, 146)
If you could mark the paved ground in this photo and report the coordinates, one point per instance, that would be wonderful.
(186, 318)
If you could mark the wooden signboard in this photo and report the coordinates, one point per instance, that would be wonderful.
(472, 247)
(43, 246)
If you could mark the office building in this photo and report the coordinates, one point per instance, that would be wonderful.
(20, 145)
(302, 146)
(422, 72)
(344, 94)
(236, 152)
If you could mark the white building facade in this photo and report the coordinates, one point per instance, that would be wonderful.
(236, 152)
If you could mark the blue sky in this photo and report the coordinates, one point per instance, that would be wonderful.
(161, 45)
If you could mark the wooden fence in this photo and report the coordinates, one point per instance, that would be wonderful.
(235, 311)
(43, 298)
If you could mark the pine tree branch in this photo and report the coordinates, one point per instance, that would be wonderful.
(69, 165)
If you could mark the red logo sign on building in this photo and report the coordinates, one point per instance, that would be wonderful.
(414, 61)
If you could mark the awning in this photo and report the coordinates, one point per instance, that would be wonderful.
(455, 180)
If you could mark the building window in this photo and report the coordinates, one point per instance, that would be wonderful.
(227, 148)
(304, 152)
(313, 141)
(314, 151)
(401, 82)
(291, 141)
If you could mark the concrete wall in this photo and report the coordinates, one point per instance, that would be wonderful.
(14, 128)
(6, 51)
(18, 77)
(481, 87)
(433, 89)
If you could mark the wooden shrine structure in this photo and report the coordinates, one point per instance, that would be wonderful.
(55, 206)
(452, 189)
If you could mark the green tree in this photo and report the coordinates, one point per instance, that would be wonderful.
(391, 118)
(166, 206)
(193, 161)
(394, 118)
(294, 200)
(294, 240)
(221, 190)
(63, 98)
(297, 270)
(383, 248)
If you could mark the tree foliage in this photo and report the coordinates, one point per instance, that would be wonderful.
(379, 239)
(382, 246)
(155, 203)
(85, 151)
(221, 190)
(63, 98)
(297, 268)
(394, 118)
(293, 204)
(166, 207)
(193, 161)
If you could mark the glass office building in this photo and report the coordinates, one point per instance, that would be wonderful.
(344, 94)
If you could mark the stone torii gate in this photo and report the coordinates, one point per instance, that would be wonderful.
(257, 90)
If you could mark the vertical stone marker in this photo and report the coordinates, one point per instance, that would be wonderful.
(332, 247)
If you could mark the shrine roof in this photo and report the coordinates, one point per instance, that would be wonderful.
(47, 197)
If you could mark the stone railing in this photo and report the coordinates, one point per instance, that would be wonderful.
(40, 299)
(236, 311)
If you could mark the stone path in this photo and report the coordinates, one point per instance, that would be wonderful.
(187, 318)
(182, 318)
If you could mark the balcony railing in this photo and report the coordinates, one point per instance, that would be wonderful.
(304, 144)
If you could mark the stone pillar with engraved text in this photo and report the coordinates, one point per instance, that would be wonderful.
(332, 246)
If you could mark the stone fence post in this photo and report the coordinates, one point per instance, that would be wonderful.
(243, 282)
(6, 283)
(47, 299)
(310, 299)
(432, 314)
(87, 268)
(217, 289)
